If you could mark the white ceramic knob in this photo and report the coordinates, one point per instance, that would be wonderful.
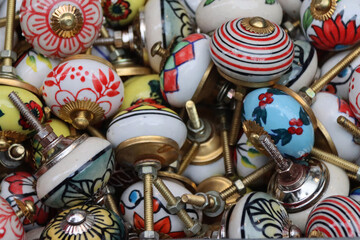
(11, 227)
(354, 92)
(199, 173)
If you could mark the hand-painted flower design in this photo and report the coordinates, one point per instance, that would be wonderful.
(36, 26)
(335, 34)
(265, 98)
(10, 225)
(118, 10)
(296, 125)
(36, 110)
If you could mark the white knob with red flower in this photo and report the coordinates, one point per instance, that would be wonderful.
(354, 93)
(10, 226)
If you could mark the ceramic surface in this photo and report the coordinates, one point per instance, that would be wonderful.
(211, 14)
(339, 85)
(247, 157)
(10, 225)
(101, 51)
(303, 67)
(168, 225)
(34, 234)
(198, 173)
(33, 67)
(36, 28)
(283, 118)
(83, 79)
(257, 215)
(142, 89)
(164, 20)
(327, 108)
(120, 13)
(291, 8)
(21, 186)
(105, 225)
(191, 6)
(354, 92)
(78, 176)
(10, 118)
(336, 33)
(185, 68)
(355, 194)
(249, 56)
(146, 120)
(336, 216)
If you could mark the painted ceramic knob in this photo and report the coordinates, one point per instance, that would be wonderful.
(85, 222)
(60, 28)
(120, 13)
(340, 84)
(21, 186)
(354, 93)
(146, 120)
(211, 14)
(303, 67)
(10, 226)
(291, 8)
(330, 25)
(83, 85)
(258, 215)
(355, 194)
(184, 69)
(142, 89)
(34, 234)
(166, 224)
(283, 118)
(191, 6)
(334, 217)
(252, 50)
(33, 67)
(327, 108)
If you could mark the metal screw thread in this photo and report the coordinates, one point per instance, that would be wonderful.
(352, 176)
(157, 49)
(188, 157)
(228, 192)
(148, 202)
(4, 20)
(254, 176)
(193, 115)
(197, 200)
(9, 34)
(171, 200)
(333, 159)
(105, 34)
(30, 118)
(333, 72)
(349, 126)
(236, 120)
(226, 149)
(282, 163)
(104, 41)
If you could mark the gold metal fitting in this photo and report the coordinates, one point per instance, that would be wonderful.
(322, 9)
(66, 21)
(27, 209)
(8, 138)
(81, 113)
(164, 53)
(316, 234)
(349, 126)
(258, 25)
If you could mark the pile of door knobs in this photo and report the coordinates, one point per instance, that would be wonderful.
(153, 119)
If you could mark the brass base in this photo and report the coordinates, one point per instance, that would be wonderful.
(323, 140)
(14, 82)
(189, 185)
(8, 138)
(158, 148)
(207, 83)
(131, 70)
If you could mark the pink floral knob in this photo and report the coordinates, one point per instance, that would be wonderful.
(60, 28)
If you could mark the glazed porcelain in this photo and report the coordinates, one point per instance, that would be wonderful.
(340, 84)
(247, 157)
(2, 38)
(83, 78)
(34, 234)
(338, 185)
(33, 67)
(10, 118)
(327, 108)
(291, 8)
(249, 56)
(354, 93)
(168, 225)
(120, 13)
(303, 67)
(10, 226)
(78, 176)
(184, 69)
(101, 51)
(211, 14)
(283, 118)
(198, 173)
(335, 217)
(257, 215)
(85, 222)
(336, 33)
(21, 186)
(142, 89)
(191, 6)
(49, 37)
(146, 120)
(165, 19)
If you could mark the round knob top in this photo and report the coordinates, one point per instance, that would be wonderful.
(322, 9)
(258, 25)
(76, 217)
(66, 21)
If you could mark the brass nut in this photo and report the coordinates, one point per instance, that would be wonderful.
(116, 54)
(147, 170)
(8, 54)
(240, 186)
(149, 235)
(206, 203)
(308, 93)
(173, 209)
(194, 229)
(8, 69)
(219, 205)
(201, 134)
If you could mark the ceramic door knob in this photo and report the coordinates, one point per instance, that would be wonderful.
(21, 186)
(166, 224)
(251, 50)
(81, 85)
(85, 222)
(211, 14)
(33, 67)
(334, 217)
(191, 6)
(60, 28)
(330, 25)
(10, 225)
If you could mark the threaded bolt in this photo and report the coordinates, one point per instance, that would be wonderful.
(282, 163)
(148, 202)
(188, 157)
(236, 120)
(349, 126)
(193, 115)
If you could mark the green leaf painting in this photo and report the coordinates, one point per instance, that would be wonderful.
(31, 62)
(269, 1)
(307, 19)
(245, 161)
(45, 60)
(208, 2)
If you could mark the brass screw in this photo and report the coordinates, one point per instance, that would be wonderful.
(236, 120)
(26, 209)
(193, 115)
(229, 169)
(188, 157)
(9, 34)
(197, 200)
(148, 202)
(282, 163)
(110, 201)
(157, 49)
(95, 132)
(349, 126)
(3, 20)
